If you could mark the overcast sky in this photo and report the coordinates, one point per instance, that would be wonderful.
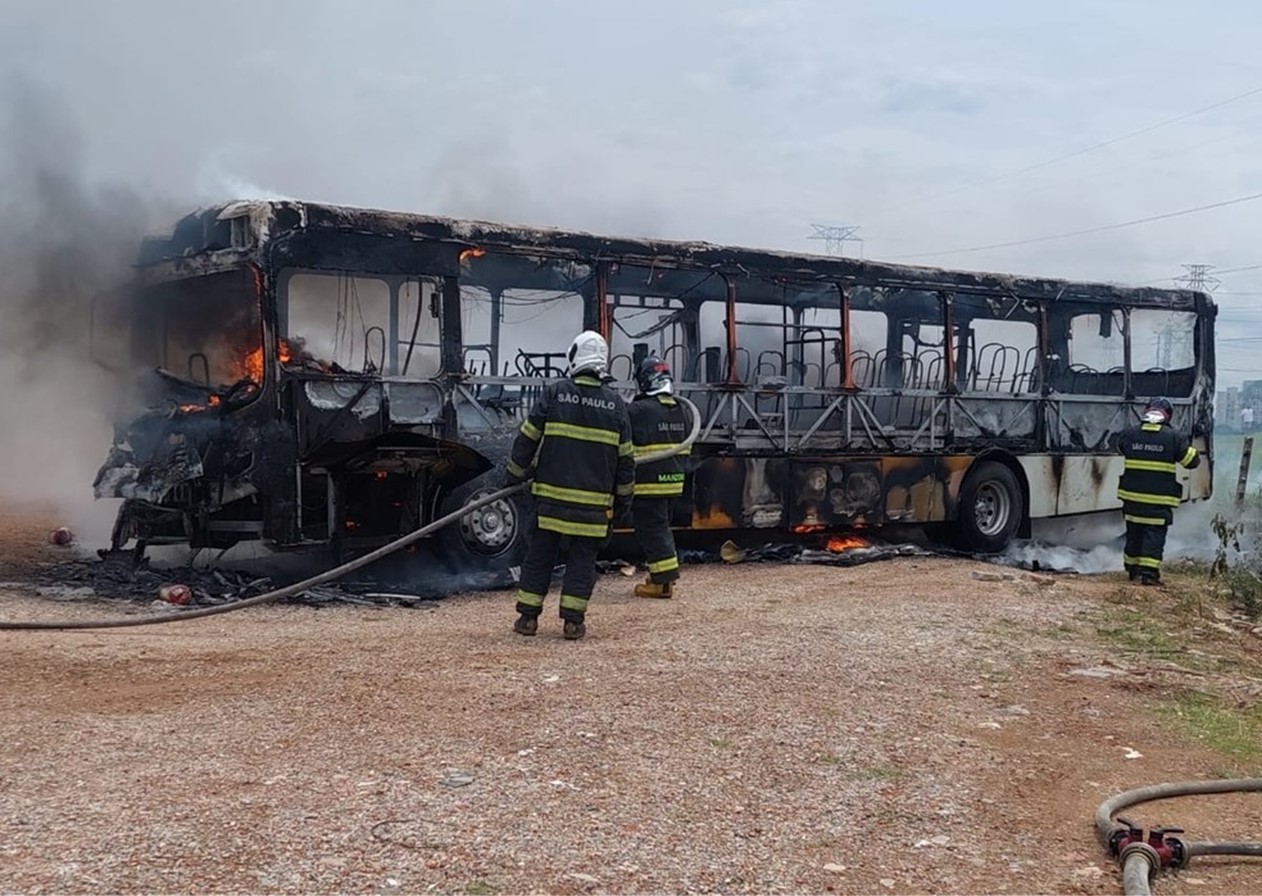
(733, 122)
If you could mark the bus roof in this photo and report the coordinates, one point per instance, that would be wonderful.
(210, 230)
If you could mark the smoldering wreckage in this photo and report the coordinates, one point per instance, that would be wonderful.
(341, 384)
(329, 381)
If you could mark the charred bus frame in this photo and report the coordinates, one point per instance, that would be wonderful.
(835, 392)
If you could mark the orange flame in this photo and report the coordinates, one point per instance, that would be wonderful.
(471, 253)
(806, 530)
(250, 366)
(214, 400)
(191, 408)
(284, 353)
(838, 544)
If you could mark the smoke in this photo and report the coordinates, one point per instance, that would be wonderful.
(1094, 543)
(64, 240)
(218, 180)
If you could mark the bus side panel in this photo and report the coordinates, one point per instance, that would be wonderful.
(922, 489)
(857, 491)
(1042, 472)
(1064, 484)
(1199, 484)
(738, 493)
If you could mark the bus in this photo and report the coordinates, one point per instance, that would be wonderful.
(319, 377)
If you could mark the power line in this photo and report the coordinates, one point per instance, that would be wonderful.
(1247, 267)
(1085, 150)
(1089, 230)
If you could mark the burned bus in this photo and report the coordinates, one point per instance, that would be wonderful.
(329, 378)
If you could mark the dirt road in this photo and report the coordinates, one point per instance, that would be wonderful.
(900, 727)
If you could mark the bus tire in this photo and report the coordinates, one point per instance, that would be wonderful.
(491, 538)
(992, 508)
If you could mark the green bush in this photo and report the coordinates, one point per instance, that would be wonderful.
(1237, 568)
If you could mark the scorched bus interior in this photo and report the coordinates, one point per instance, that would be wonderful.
(321, 377)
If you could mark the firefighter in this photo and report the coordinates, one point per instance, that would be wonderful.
(658, 422)
(1149, 488)
(576, 442)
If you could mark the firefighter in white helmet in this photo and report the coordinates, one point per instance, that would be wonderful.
(576, 442)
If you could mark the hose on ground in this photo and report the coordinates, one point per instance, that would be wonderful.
(1137, 869)
(338, 571)
(1104, 813)
(1223, 848)
(1139, 861)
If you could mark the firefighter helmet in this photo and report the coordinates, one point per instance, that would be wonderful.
(589, 353)
(1158, 410)
(653, 376)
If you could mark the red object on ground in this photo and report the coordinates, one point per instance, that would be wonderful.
(175, 594)
(61, 536)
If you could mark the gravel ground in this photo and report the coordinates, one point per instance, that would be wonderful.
(902, 727)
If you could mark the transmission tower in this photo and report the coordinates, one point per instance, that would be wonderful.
(1197, 277)
(835, 238)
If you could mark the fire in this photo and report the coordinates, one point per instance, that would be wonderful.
(807, 530)
(250, 366)
(212, 400)
(471, 253)
(840, 543)
(284, 353)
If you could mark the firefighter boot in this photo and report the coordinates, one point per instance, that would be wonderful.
(649, 588)
(526, 625)
(572, 630)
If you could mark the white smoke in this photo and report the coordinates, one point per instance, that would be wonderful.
(218, 180)
(1093, 543)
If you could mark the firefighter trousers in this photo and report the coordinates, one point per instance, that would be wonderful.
(542, 552)
(1145, 545)
(651, 517)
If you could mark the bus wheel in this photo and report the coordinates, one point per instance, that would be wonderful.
(493, 537)
(991, 508)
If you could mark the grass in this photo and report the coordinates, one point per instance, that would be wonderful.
(1232, 730)
(1181, 627)
(1136, 630)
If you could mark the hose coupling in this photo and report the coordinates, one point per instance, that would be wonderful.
(1141, 849)
(1171, 850)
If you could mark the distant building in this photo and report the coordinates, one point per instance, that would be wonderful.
(1227, 407)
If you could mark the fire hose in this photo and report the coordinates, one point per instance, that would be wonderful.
(349, 567)
(1141, 858)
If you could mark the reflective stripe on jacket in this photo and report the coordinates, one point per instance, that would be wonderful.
(659, 422)
(577, 439)
(1149, 486)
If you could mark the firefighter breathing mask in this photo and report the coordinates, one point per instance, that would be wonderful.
(589, 353)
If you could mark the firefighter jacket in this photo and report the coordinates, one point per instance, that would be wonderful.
(577, 439)
(658, 422)
(1149, 488)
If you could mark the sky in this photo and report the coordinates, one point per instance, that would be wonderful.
(931, 126)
